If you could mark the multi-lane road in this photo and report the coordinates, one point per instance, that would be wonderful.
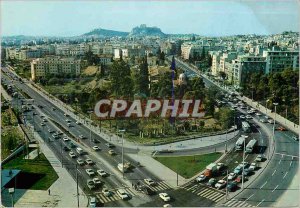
(263, 191)
(280, 172)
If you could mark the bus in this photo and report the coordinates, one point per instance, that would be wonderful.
(246, 126)
(239, 145)
(251, 145)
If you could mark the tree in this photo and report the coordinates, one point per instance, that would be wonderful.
(144, 77)
(120, 77)
(226, 117)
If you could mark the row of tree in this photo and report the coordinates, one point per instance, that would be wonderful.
(280, 87)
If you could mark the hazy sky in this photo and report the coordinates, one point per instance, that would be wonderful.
(69, 18)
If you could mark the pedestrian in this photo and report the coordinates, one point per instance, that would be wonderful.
(48, 191)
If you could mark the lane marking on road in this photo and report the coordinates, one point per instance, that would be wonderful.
(279, 161)
(274, 172)
(275, 188)
(277, 153)
(282, 156)
(249, 197)
(285, 174)
(291, 163)
(260, 202)
(263, 184)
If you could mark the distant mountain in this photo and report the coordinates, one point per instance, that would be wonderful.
(105, 33)
(143, 30)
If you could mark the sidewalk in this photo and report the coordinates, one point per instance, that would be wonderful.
(63, 192)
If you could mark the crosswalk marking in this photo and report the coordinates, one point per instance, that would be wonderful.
(219, 198)
(160, 186)
(114, 197)
(192, 187)
(237, 203)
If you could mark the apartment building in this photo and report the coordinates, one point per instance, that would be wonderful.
(54, 65)
(277, 61)
(105, 59)
(215, 63)
(244, 65)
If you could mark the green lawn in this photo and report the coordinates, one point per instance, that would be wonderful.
(188, 166)
(39, 172)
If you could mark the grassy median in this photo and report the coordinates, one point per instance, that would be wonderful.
(188, 166)
(36, 174)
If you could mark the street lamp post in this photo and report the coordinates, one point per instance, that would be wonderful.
(90, 113)
(243, 164)
(122, 130)
(275, 104)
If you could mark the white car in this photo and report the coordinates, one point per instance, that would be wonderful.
(242, 117)
(270, 121)
(167, 205)
(231, 176)
(102, 173)
(165, 197)
(263, 120)
(66, 115)
(97, 181)
(252, 166)
(90, 172)
(201, 178)
(220, 184)
(106, 192)
(80, 162)
(96, 148)
(149, 181)
(81, 137)
(66, 139)
(258, 114)
(248, 117)
(259, 158)
(89, 161)
(123, 194)
(77, 122)
(72, 154)
(90, 184)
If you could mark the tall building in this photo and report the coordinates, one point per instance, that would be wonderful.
(215, 63)
(54, 65)
(277, 61)
(243, 65)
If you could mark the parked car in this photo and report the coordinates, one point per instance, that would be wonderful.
(165, 197)
(220, 184)
(270, 121)
(201, 178)
(80, 162)
(81, 137)
(89, 161)
(211, 182)
(90, 172)
(72, 155)
(102, 173)
(93, 202)
(97, 181)
(90, 184)
(258, 114)
(248, 117)
(242, 117)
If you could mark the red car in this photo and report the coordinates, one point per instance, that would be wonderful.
(281, 128)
